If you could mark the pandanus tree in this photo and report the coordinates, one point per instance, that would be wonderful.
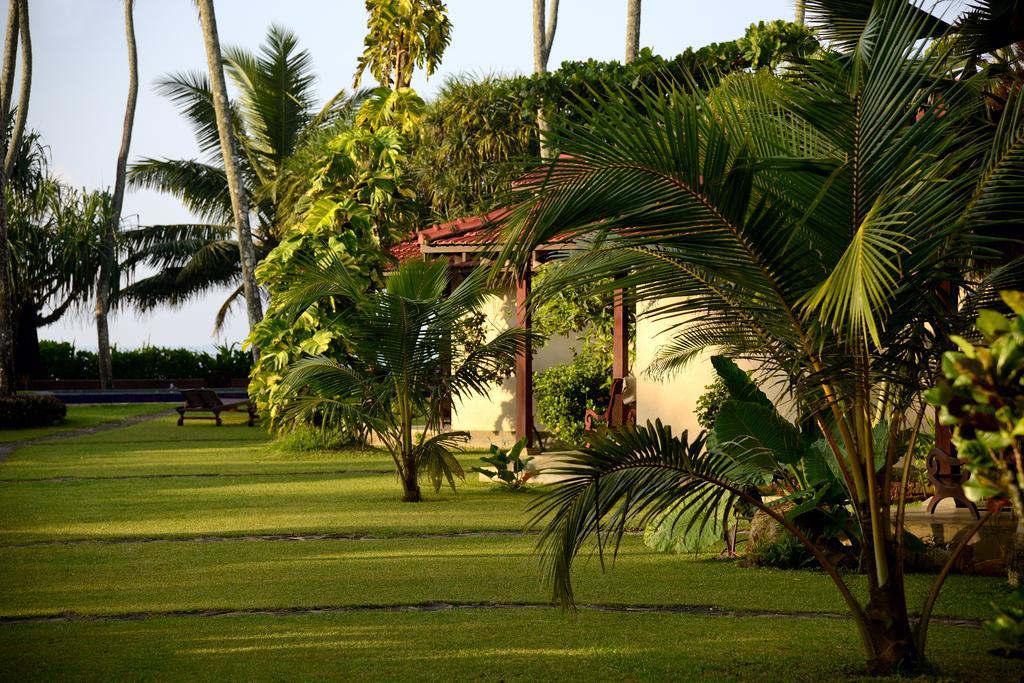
(813, 225)
(280, 136)
(400, 367)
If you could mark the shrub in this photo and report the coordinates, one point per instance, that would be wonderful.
(509, 467)
(786, 552)
(63, 361)
(564, 393)
(769, 544)
(31, 410)
(715, 394)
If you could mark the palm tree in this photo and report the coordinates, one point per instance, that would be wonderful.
(55, 244)
(17, 25)
(400, 341)
(632, 30)
(110, 237)
(545, 23)
(813, 225)
(232, 168)
(280, 137)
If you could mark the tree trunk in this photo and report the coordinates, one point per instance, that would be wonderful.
(7, 375)
(801, 11)
(410, 481)
(888, 626)
(28, 359)
(543, 38)
(887, 631)
(24, 90)
(632, 30)
(1015, 558)
(232, 168)
(109, 246)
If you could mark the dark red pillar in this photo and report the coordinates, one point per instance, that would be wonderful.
(620, 350)
(524, 365)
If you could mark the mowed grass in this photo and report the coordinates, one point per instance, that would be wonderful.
(496, 645)
(84, 416)
(200, 480)
(123, 578)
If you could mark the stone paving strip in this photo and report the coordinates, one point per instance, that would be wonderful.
(119, 540)
(9, 447)
(190, 475)
(693, 610)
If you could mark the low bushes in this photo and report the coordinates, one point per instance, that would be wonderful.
(63, 361)
(31, 410)
(564, 392)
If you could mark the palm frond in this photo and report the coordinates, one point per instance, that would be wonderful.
(202, 188)
(624, 479)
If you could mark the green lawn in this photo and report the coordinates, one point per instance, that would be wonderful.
(83, 416)
(63, 497)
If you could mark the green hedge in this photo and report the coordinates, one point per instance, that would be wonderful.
(63, 361)
(31, 410)
(564, 392)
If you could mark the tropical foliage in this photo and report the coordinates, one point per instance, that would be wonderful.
(358, 204)
(508, 468)
(563, 394)
(982, 397)
(402, 36)
(54, 236)
(62, 360)
(395, 371)
(471, 143)
(280, 136)
(811, 224)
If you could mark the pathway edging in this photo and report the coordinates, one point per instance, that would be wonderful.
(693, 610)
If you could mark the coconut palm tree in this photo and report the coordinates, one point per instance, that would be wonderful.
(280, 137)
(632, 30)
(17, 26)
(400, 341)
(104, 286)
(232, 168)
(812, 224)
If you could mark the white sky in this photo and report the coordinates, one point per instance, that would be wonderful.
(80, 83)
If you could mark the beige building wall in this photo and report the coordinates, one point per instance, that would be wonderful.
(491, 418)
(673, 398)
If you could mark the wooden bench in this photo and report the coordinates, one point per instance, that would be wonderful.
(207, 401)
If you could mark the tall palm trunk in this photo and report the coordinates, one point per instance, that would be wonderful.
(543, 38)
(232, 168)
(632, 30)
(109, 246)
(24, 90)
(17, 23)
(801, 11)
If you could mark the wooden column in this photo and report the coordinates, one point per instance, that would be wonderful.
(524, 365)
(620, 350)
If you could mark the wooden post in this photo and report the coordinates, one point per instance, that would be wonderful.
(524, 365)
(620, 351)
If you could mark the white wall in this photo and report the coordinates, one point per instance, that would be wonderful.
(491, 418)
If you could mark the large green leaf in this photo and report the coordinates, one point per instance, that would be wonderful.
(757, 435)
(741, 387)
(684, 531)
